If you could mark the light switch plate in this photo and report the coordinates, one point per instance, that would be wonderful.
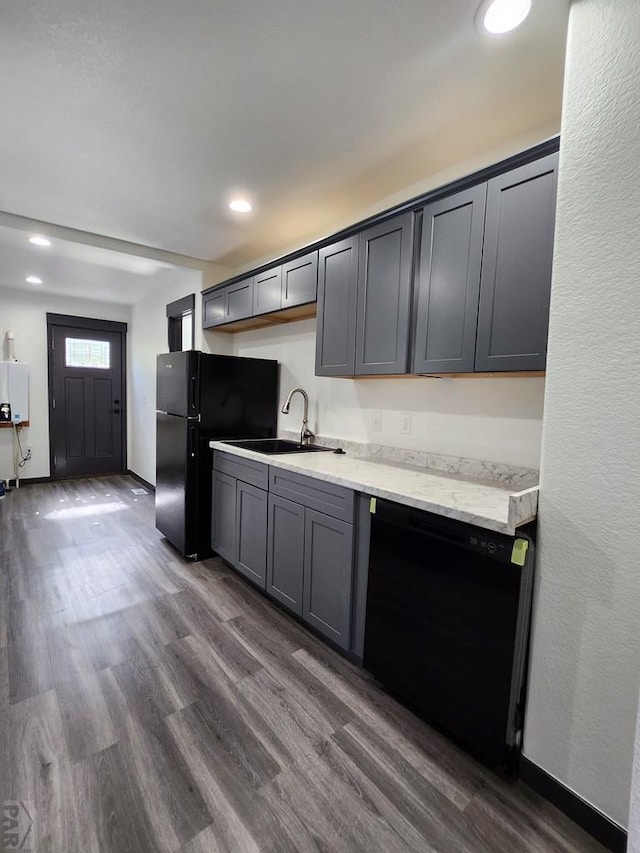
(405, 423)
(376, 420)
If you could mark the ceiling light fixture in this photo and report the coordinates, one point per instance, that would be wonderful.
(39, 240)
(33, 279)
(240, 205)
(501, 16)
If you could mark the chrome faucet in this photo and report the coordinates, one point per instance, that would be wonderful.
(305, 433)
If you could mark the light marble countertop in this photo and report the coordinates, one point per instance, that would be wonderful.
(491, 505)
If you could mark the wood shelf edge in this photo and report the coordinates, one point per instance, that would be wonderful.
(513, 374)
(263, 321)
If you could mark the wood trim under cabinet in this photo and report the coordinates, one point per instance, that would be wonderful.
(515, 374)
(263, 321)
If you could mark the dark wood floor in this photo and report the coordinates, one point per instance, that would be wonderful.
(152, 704)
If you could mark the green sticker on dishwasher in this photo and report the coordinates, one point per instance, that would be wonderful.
(372, 505)
(519, 552)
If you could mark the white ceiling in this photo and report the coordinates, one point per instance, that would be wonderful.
(139, 119)
(68, 268)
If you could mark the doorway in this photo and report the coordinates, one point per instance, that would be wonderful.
(87, 402)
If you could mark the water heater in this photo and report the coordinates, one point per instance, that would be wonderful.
(14, 389)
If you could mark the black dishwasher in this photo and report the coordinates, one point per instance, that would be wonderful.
(447, 624)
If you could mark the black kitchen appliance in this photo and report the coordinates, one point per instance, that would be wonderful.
(447, 624)
(201, 397)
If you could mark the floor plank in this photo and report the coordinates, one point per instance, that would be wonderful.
(149, 703)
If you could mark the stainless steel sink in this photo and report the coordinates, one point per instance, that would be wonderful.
(276, 445)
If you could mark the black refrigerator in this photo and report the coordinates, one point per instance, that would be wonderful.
(200, 397)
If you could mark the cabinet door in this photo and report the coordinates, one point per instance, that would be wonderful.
(267, 291)
(214, 308)
(336, 323)
(328, 575)
(251, 533)
(223, 516)
(300, 280)
(285, 558)
(384, 296)
(449, 283)
(239, 300)
(515, 287)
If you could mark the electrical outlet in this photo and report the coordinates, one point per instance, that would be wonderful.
(405, 423)
(376, 420)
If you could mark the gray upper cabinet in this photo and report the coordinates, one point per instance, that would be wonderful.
(384, 296)
(336, 323)
(239, 300)
(285, 556)
(328, 576)
(251, 533)
(517, 260)
(267, 291)
(214, 308)
(449, 283)
(300, 280)
(226, 304)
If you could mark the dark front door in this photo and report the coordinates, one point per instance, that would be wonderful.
(87, 400)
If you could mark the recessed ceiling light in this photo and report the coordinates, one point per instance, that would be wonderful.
(33, 279)
(501, 16)
(240, 205)
(39, 240)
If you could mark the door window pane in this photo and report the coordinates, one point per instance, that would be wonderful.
(82, 353)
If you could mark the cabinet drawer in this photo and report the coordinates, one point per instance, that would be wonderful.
(254, 473)
(336, 501)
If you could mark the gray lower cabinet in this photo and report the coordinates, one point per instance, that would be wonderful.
(285, 554)
(448, 285)
(223, 515)
(311, 552)
(515, 287)
(337, 298)
(251, 532)
(239, 515)
(301, 556)
(384, 297)
(328, 576)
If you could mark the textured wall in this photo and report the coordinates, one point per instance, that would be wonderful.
(585, 665)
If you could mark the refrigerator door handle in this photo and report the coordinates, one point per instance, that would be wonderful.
(192, 441)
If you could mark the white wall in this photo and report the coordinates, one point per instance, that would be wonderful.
(148, 337)
(25, 313)
(585, 666)
(481, 418)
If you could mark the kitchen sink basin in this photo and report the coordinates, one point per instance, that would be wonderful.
(276, 445)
